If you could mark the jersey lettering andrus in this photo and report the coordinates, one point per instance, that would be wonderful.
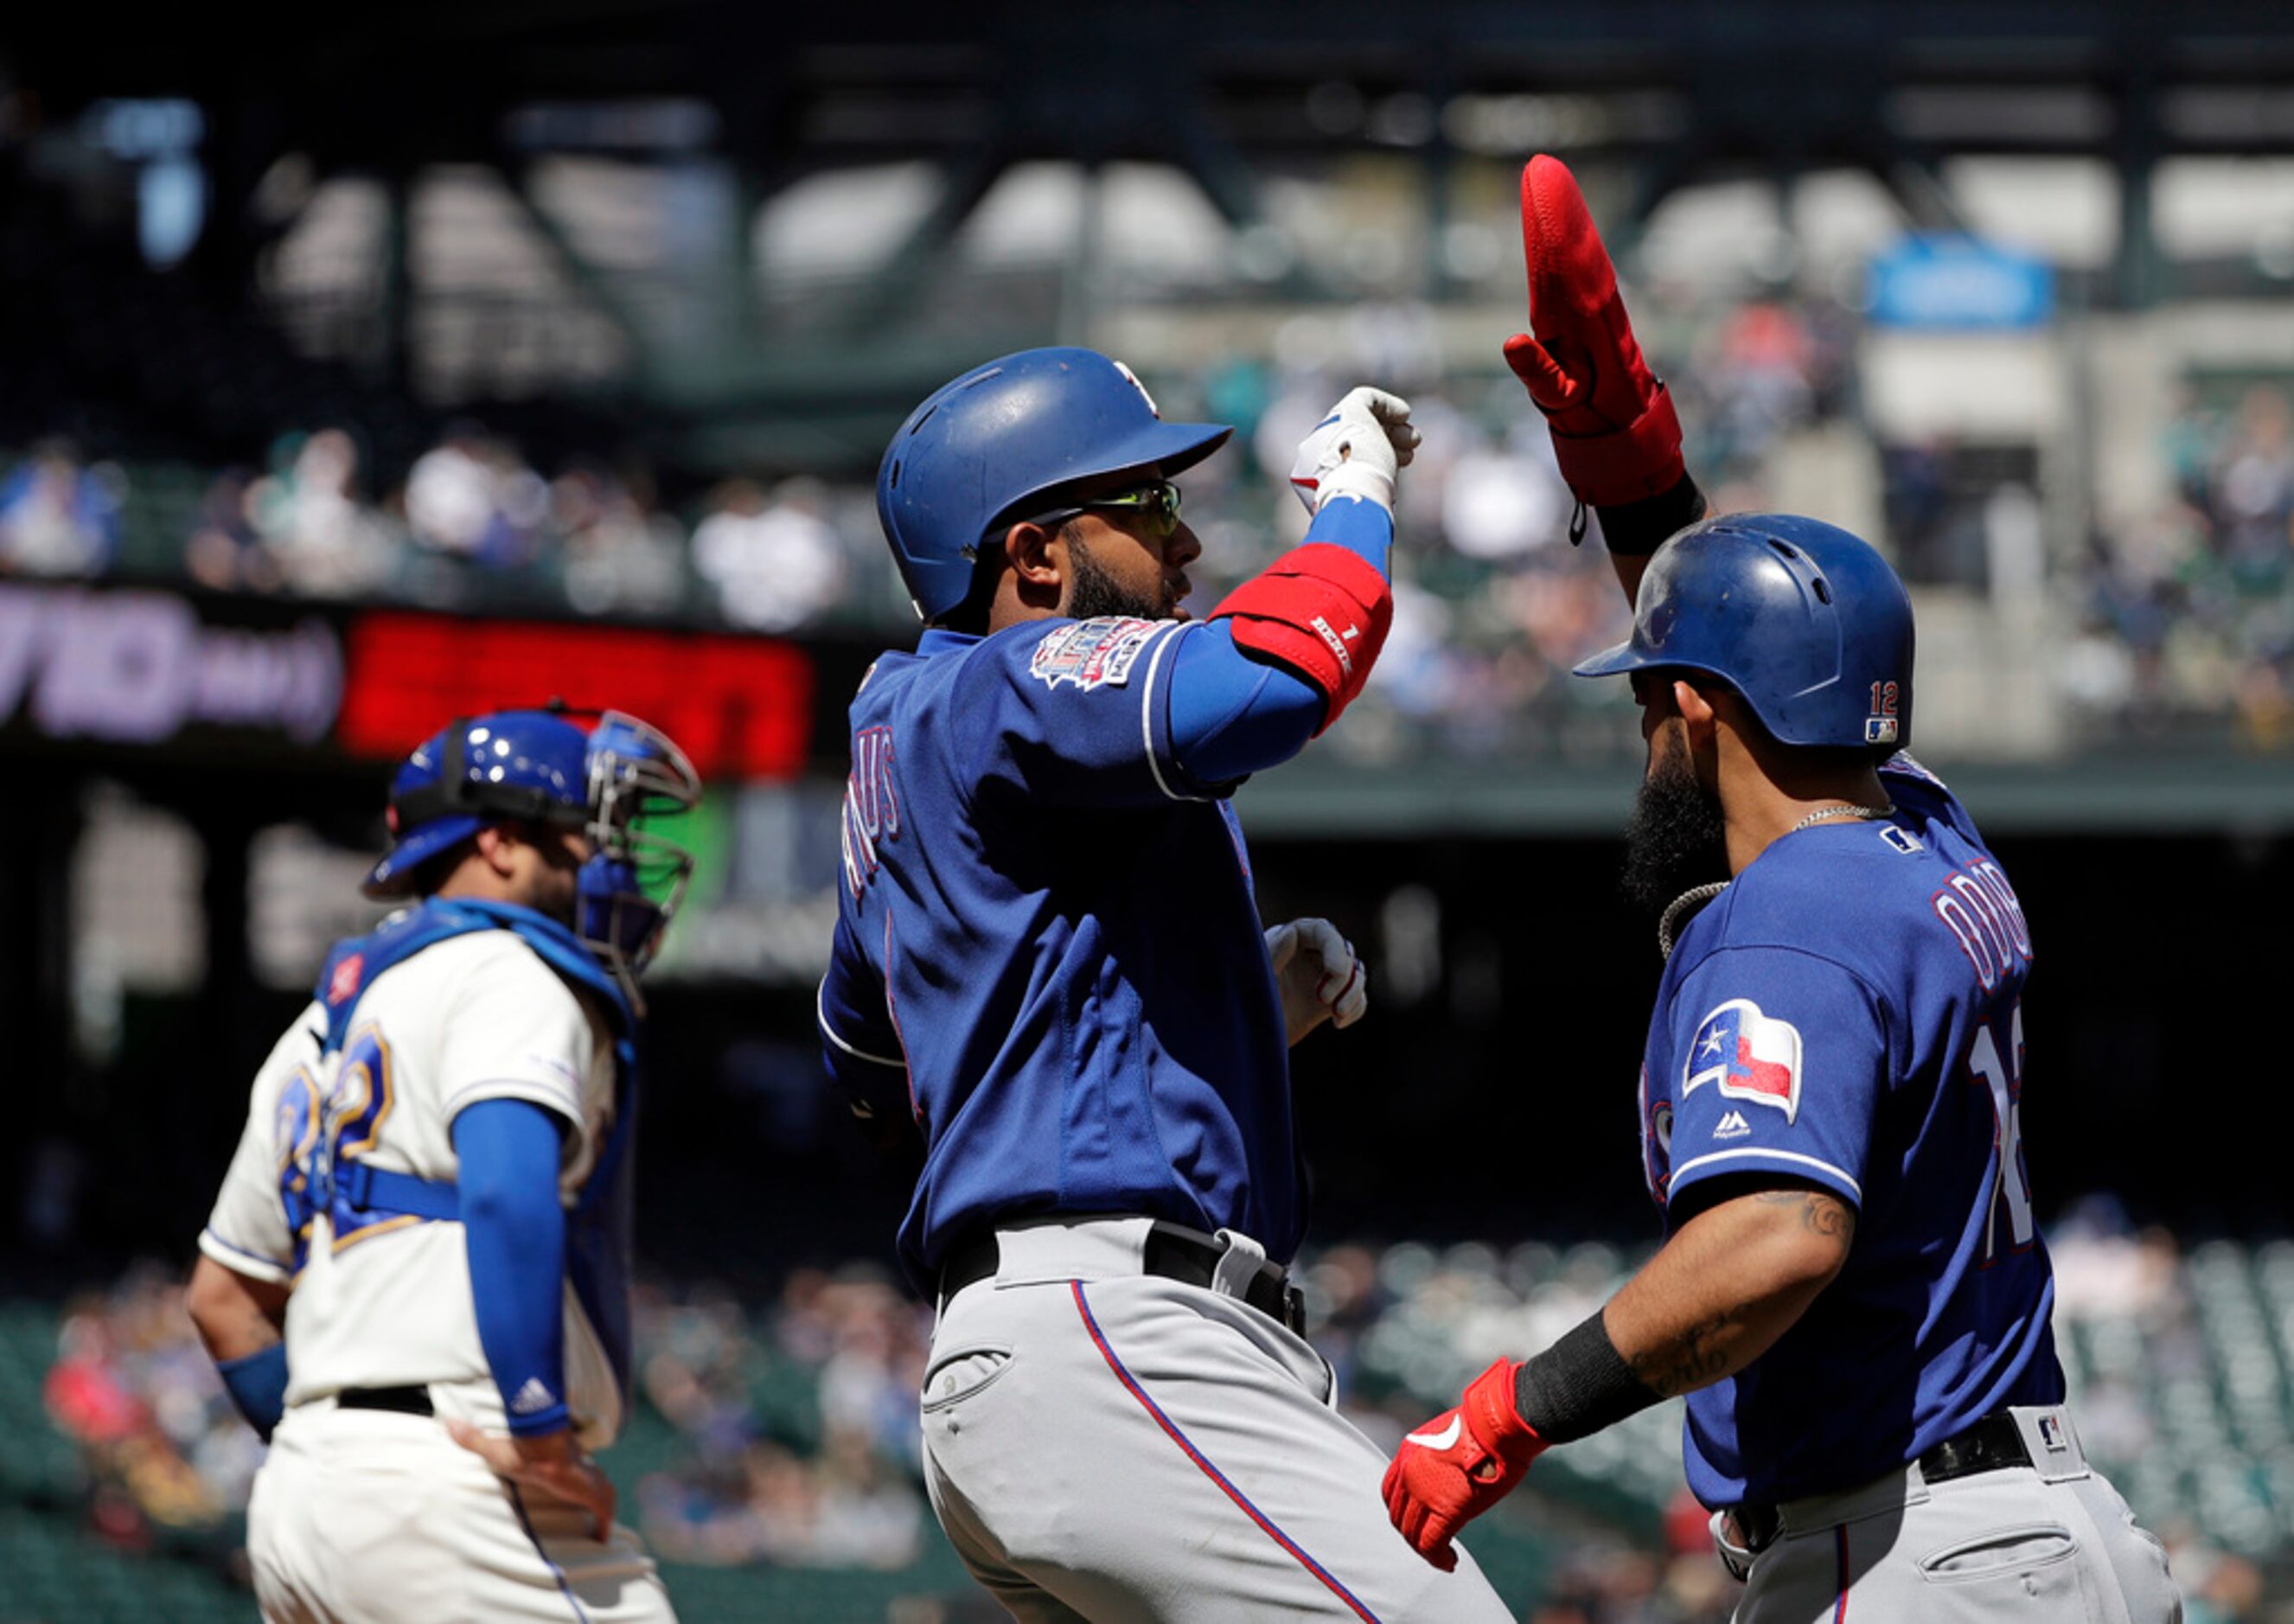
(1048, 949)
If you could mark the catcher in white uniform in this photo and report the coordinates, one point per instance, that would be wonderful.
(417, 1271)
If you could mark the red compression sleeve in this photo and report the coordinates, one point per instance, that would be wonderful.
(1321, 610)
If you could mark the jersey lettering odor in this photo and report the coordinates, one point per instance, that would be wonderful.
(1876, 1052)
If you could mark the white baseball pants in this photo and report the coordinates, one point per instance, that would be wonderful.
(372, 1517)
(1109, 1445)
(2053, 1544)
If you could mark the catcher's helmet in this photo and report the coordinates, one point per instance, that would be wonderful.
(1804, 619)
(532, 764)
(982, 450)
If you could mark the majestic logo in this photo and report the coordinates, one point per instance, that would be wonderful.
(1749, 1055)
(1092, 653)
(1732, 1126)
(345, 981)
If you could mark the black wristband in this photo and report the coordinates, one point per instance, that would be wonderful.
(1579, 1385)
(1638, 528)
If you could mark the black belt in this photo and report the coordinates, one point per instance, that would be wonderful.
(1169, 1254)
(400, 1400)
(1992, 1444)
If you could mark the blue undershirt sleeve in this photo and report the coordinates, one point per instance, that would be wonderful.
(1233, 714)
(258, 1385)
(1357, 526)
(515, 1229)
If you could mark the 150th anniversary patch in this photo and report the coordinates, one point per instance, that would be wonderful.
(1092, 653)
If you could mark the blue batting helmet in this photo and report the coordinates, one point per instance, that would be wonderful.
(529, 764)
(981, 450)
(1804, 620)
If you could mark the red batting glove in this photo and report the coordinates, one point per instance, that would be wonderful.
(1459, 1465)
(1613, 424)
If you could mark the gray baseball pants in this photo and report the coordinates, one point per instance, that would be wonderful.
(2053, 1543)
(1105, 1444)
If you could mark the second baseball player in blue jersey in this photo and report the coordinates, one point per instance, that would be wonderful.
(1862, 973)
(1851, 1295)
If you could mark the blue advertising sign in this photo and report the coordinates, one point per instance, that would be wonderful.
(1959, 282)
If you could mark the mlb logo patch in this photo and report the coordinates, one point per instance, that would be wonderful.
(1882, 726)
(1748, 1055)
(345, 981)
(1090, 653)
(2051, 1434)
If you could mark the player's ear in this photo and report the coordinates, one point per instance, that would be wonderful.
(1036, 552)
(497, 843)
(1695, 710)
(1700, 721)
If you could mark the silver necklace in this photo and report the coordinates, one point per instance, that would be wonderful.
(1680, 904)
(1699, 894)
(1849, 810)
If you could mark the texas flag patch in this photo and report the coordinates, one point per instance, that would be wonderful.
(1751, 1055)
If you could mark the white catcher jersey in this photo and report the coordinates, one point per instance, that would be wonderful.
(474, 1017)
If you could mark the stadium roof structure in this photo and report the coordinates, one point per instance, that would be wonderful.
(1669, 92)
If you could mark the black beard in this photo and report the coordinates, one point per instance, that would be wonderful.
(1093, 592)
(1678, 839)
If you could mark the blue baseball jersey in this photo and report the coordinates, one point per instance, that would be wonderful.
(1850, 1012)
(1047, 949)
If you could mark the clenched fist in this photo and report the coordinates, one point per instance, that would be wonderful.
(1320, 975)
(1356, 450)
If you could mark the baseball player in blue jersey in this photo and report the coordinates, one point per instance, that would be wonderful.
(1049, 961)
(1852, 1292)
(416, 1275)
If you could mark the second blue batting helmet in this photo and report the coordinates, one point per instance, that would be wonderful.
(1804, 620)
(983, 447)
(531, 764)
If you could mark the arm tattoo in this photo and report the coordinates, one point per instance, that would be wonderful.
(1819, 1214)
(1704, 1350)
(1688, 1360)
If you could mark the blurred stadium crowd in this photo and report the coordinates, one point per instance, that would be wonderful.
(2181, 613)
(2192, 607)
(786, 1436)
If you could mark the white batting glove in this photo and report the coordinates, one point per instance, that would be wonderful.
(1355, 450)
(1320, 975)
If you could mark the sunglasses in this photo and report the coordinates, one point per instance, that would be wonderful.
(1157, 502)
